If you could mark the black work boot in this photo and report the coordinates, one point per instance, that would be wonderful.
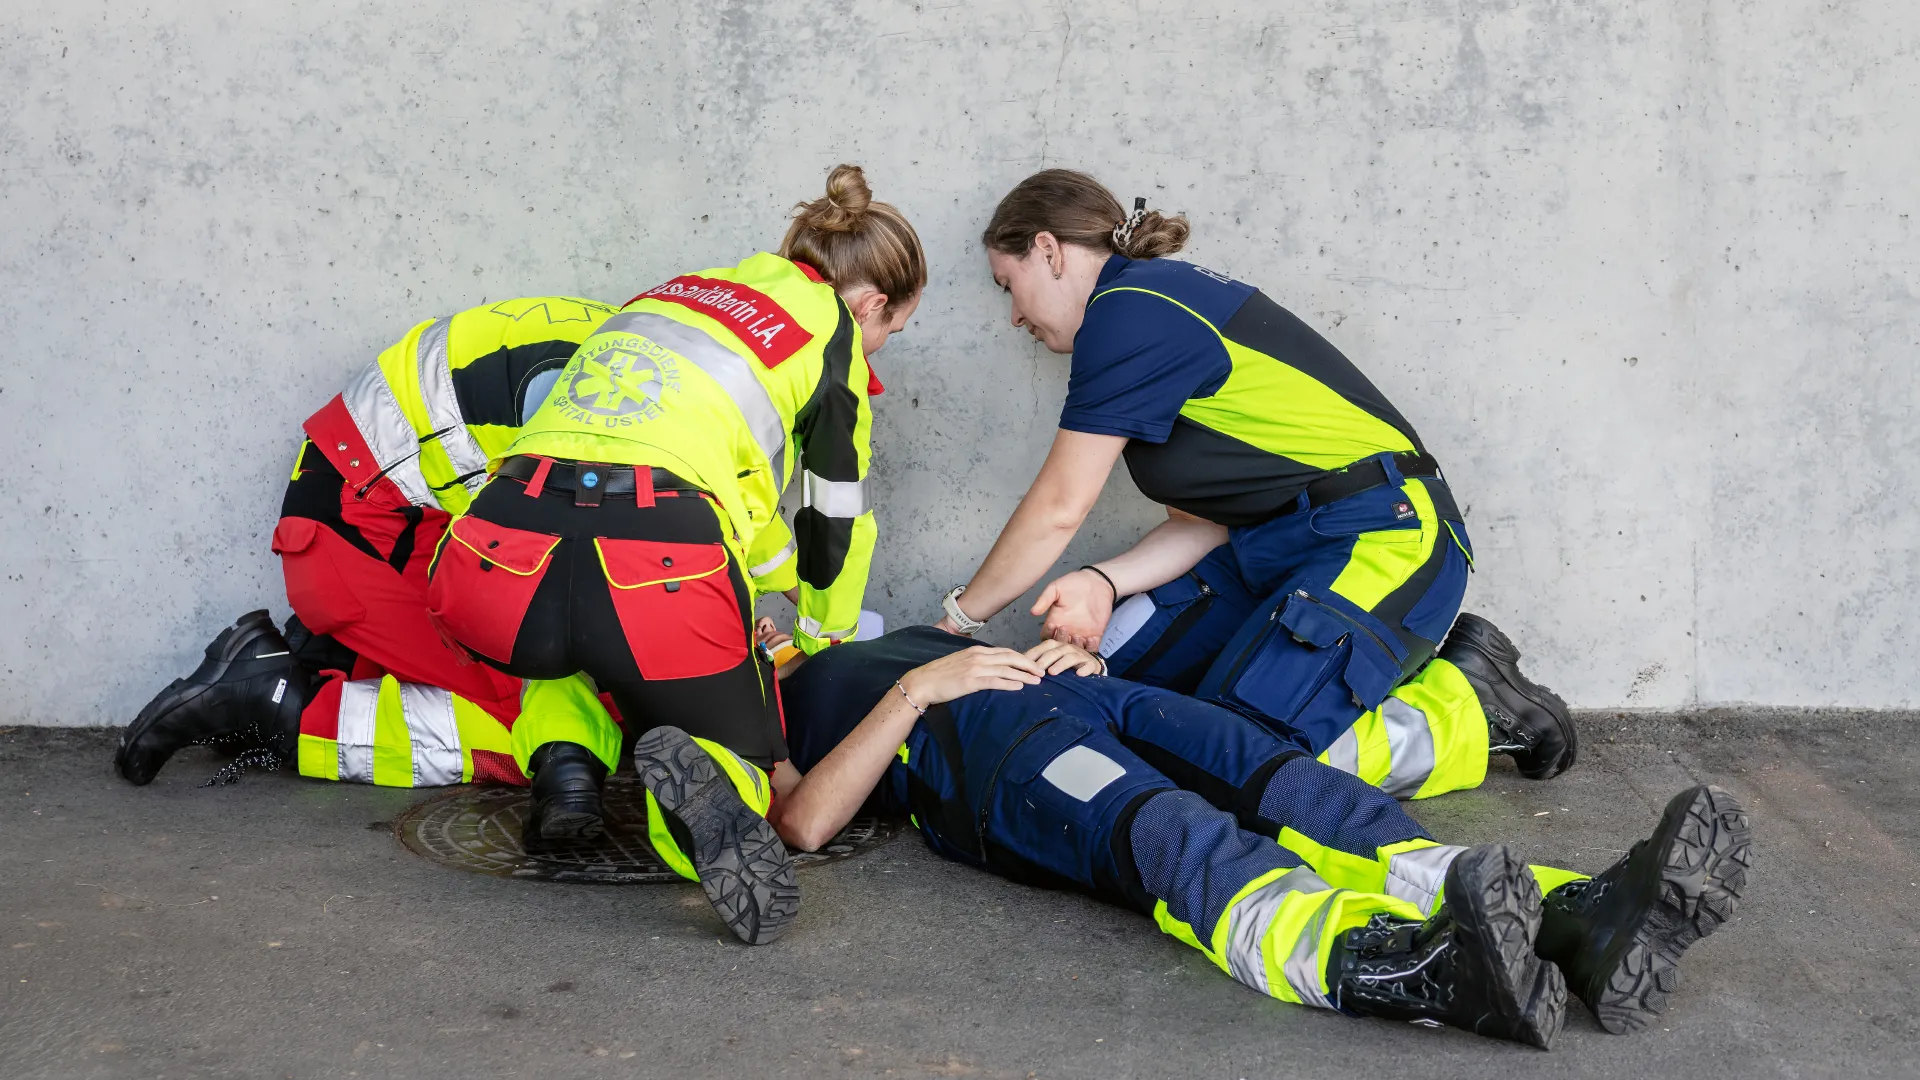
(1471, 966)
(318, 652)
(1524, 719)
(1619, 936)
(566, 794)
(247, 695)
(736, 853)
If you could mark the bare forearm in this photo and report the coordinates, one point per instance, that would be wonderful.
(1052, 511)
(1027, 548)
(822, 802)
(1174, 547)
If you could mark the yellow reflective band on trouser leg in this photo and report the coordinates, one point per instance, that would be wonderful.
(393, 734)
(1276, 935)
(752, 783)
(1411, 870)
(564, 710)
(1428, 738)
(1552, 877)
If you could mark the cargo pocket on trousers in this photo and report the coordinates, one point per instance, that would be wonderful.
(676, 605)
(1305, 646)
(483, 581)
(316, 589)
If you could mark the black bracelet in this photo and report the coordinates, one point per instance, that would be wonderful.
(1108, 580)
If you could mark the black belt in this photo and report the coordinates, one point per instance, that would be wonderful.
(1370, 473)
(615, 480)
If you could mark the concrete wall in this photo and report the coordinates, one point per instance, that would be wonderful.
(1643, 274)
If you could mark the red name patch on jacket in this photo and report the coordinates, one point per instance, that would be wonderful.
(759, 323)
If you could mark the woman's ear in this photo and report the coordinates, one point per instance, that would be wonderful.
(866, 304)
(1047, 246)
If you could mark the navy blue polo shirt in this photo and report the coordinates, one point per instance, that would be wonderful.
(1155, 337)
(1138, 357)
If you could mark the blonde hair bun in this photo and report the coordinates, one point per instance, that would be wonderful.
(842, 207)
(853, 240)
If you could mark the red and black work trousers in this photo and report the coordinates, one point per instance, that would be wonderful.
(637, 590)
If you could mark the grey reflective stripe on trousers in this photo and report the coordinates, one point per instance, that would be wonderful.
(1302, 968)
(834, 498)
(1420, 875)
(434, 733)
(396, 449)
(1409, 747)
(779, 559)
(353, 746)
(1344, 754)
(1249, 918)
(724, 366)
(443, 406)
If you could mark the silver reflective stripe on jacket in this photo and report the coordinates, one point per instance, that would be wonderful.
(443, 407)
(779, 559)
(834, 498)
(1249, 919)
(1409, 746)
(1420, 875)
(376, 412)
(811, 628)
(725, 366)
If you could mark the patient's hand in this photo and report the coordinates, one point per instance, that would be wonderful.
(1077, 607)
(1058, 656)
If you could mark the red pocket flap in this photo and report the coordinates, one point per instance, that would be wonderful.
(629, 564)
(514, 550)
(294, 535)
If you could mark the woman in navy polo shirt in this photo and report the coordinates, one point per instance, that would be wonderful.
(1313, 558)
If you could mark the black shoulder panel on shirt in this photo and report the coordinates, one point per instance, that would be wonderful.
(825, 428)
(1216, 476)
(491, 388)
(1265, 326)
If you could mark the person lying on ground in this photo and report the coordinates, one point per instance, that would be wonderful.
(1297, 879)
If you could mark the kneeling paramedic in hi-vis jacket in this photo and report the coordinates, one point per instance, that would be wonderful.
(624, 530)
(1295, 878)
(1313, 557)
(362, 687)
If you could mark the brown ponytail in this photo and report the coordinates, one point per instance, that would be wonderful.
(853, 240)
(1077, 209)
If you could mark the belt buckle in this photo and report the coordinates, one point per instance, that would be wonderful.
(589, 482)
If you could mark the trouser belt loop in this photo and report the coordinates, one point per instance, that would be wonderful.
(590, 482)
(1390, 466)
(643, 487)
(537, 483)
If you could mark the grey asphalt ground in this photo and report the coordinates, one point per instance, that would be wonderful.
(277, 928)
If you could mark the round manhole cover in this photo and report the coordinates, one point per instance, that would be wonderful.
(478, 829)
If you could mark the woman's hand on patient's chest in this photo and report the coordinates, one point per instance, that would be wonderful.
(956, 675)
(1077, 607)
(1058, 656)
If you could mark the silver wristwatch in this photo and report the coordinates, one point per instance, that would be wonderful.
(951, 602)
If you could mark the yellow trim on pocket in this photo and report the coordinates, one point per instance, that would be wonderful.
(484, 557)
(607, 571)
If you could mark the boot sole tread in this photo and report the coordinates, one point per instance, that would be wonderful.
(1702, 874)
(743, 866)
(1501, 908)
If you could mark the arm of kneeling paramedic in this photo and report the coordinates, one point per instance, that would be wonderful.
(834, 527)
(812, 807)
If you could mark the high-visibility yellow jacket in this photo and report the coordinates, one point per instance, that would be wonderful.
(718, 377)
(436, 406)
